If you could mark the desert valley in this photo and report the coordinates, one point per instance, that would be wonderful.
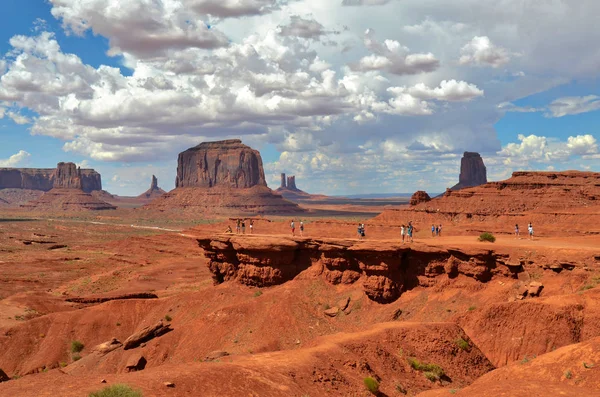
(162, 293)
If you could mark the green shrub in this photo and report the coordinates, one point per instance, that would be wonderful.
(400, 389)
(487, 237)
(432, 372)
(258, 293)
(76, 346)
(168, 318)
(76, 357)
(62, 364)
(568, 375)
(463, 344)
(471, 308)
(116, 391)
(372, 385)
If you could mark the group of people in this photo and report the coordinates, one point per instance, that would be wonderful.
(436, 230)
(406, 231)
(361, 231)
(293, 227)
(240, 226)
(529, 229)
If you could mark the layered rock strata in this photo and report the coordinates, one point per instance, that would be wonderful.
(224, 177)
(43, 179)
(384, 269)
(472, 171)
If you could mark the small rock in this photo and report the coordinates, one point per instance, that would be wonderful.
(396, 315)
(522, 292)
(332, 312)
(103, 381)
(136, 362)
(212, 356)
(3, 376)
(169, 384)
(535, 287)
(109, 346)
(343, 303)
(297, 341)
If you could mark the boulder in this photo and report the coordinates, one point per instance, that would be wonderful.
(107, 347)
(343, 303)
(3, 376)
(146, 334)
(472, 171)
(418, 197)
(136, 362)
(227, 163)
(535, 288)
(522, 292)
(333, 312)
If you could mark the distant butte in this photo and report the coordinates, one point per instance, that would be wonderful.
(67, 193)
(154, 190)
(472, 171)
(222, 177)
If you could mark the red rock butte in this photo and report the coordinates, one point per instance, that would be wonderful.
(67, 193)
(472, 171)
(154, 190)
(222, 177)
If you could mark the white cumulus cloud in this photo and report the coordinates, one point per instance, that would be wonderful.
(481, 51)
(15, 159)
(573, 105)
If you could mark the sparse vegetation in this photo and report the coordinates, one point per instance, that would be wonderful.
(400, 389)
(487, 237)
(463, 344)
(76, 357)
(62, 364)
(525, 360)
(471, 308)
(371, 384)
(116, 391)
(258, 293)
(168, 318)
(587, 366)
(568, 375)
(433, 372)
(76, 346)
(453, 391)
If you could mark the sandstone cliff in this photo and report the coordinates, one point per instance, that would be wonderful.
(472, 171)
(227, 163)
(43, 179)
(224, 177)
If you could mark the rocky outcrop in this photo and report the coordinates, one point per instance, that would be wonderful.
(227, 163)
(419, 197)
(154, 190)
(224, 177)
(146, 334)
(283, 184)
(67, 176)
(472, 171)
(44, 179)
(385, 270)
(291, 182)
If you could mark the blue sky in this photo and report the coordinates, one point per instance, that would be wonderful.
(347, 108)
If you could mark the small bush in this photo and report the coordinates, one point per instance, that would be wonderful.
(372, 385)
(258, 293)
(116, 391)
(568, 375)
(62, 364)
(76, 357)
(400, 389)
(487, 237)
(432, 372)
(432, 376)
(168, 318)
(463, 344)
(471, 308)
(76, 346)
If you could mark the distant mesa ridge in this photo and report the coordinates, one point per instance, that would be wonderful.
(44, 179)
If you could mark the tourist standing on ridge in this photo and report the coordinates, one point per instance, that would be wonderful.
(251, 226)
(301, 228)
(359, 231)
(238, 226)
(362, 230)
(530, 228)
(402, 232)
(244, 226)
(440, 230)
(432, 231)
(410, 231)
(293, 227)
(516, 230)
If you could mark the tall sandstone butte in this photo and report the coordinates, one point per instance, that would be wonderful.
(227, 163)
(472, 171)
(222, 177)
(44, 178)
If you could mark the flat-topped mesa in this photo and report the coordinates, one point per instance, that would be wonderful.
(227, 163)
(472, 171)
(67, 176)
(44, 178)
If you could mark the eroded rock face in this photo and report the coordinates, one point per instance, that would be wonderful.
(44, 179)
(283, 184)
(419, 197)
(67, 176)
(472, 171)
(385, 270)
(291, 182)
(227, 163)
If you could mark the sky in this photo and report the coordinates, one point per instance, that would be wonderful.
(351, 96)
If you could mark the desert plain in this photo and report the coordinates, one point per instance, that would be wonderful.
(156, 293)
